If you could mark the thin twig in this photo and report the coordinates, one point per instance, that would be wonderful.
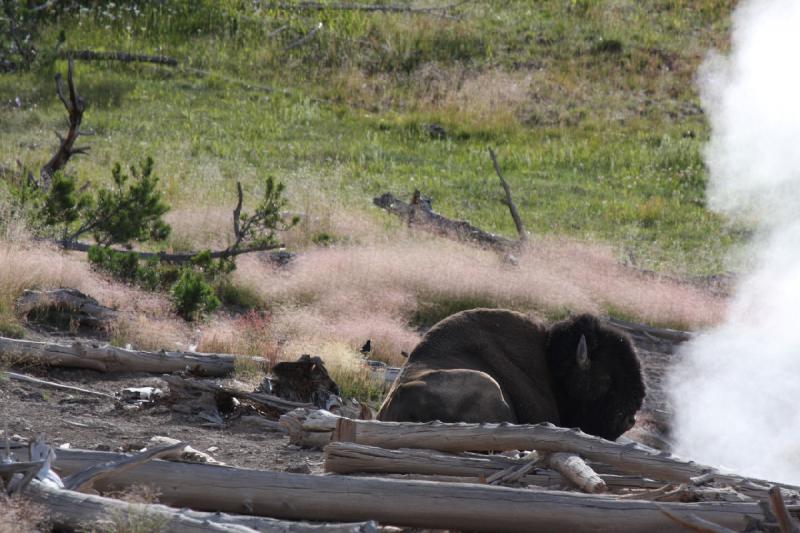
(304, 39)
(523, 236)
(59, 386)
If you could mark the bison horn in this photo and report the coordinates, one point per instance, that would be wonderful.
(582, 355)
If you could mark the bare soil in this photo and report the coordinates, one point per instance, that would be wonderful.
(94, 423)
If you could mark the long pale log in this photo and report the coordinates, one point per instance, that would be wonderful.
(106, 358)
(461, 437)
(75, 510)
(442, 505)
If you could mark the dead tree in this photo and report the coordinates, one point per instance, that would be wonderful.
(75, 106)
(523, 236)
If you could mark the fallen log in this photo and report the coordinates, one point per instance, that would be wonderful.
(93, 55)
(75, 511)
(384, 8)
(407, 503)
(419, 213)
(319, 427)
(107, 358)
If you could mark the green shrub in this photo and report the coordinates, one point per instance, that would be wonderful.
(193, 296)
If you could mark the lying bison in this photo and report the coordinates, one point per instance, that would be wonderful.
(493, 365)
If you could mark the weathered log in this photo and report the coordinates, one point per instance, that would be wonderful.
(444, 505)
(107, 358)
(351, 458)
(437, 505)
(316, 427)
(577, 471)
(419, 213)
(695, 523)
(77, 511)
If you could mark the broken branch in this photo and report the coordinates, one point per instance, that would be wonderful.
(523, 236)
(75, 107)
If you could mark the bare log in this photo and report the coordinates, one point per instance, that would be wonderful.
(93, 55)
(523, 236)
(420, 214)
(437, 505)
(577, 471)
(278, 255)
(106, 358)
(351, 458)
(52, 385)
(75, 106)
(76, 511)
(369, 8)
(316, 427)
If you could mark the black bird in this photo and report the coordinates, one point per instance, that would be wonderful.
(367, 347)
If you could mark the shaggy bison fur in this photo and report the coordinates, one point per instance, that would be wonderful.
(493, 365)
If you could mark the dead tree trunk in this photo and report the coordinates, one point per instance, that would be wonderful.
(106, 358)
(76, 511)
(75, 108)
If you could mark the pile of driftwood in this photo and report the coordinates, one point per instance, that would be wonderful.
(473, 477)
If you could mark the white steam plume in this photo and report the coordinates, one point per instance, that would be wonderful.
(737, 392)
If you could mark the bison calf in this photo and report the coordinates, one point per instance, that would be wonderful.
(493, 365)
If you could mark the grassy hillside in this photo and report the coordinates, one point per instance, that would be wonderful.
(591, 107)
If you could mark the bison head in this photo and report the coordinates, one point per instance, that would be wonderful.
(596, 376)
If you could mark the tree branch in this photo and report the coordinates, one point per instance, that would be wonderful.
(523, 236)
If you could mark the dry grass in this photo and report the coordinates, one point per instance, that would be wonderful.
(383, 290)
(18, 515)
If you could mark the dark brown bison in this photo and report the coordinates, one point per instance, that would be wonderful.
(493, 365)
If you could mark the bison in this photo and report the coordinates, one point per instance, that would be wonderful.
(494, 365)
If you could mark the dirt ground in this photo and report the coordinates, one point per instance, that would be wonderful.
(94, 423)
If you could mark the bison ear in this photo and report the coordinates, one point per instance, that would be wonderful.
(582, 355)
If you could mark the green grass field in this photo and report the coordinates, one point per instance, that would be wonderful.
(591, 107)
